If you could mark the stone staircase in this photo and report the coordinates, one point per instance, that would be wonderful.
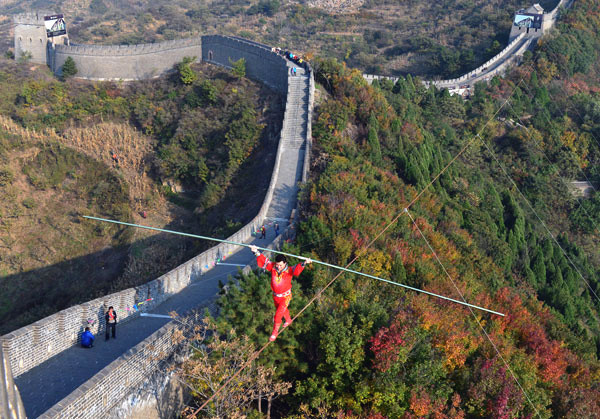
(294, 130)
(293, 144)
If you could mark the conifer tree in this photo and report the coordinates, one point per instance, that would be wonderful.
(69, 68)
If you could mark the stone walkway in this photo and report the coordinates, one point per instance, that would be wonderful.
(47, 384)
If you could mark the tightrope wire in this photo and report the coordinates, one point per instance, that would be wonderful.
(296, 256)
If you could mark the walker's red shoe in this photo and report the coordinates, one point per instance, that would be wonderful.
(275, 332)
(286, 324)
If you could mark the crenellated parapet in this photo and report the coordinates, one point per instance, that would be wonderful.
(127, 50)
(31, 18)
(261, 62)
(520, 41)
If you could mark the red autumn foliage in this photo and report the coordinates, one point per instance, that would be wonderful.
(386, 344)
(493, 391)
(550, 356)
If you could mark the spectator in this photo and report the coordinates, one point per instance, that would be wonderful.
(87, 338)
(263, 232)
(276, 229)
(111, 322)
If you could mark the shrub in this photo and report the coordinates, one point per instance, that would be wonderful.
(6, 176)
(238, 67)
(186, 74)
(29, 203)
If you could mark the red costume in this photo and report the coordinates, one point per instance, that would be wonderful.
(281, 285)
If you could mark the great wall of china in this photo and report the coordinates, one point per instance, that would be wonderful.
(520, 41)
(26, 351)
(30, 347)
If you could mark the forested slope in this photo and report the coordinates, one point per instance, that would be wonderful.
(500, 219)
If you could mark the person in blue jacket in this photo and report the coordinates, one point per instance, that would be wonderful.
(87, 338)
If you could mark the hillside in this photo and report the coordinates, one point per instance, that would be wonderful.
(157, 153)
(427, 38)
(499, 226)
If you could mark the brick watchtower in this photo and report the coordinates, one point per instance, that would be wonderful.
(30, 36)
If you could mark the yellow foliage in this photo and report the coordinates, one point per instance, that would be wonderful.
(376, 262)
(547, 70)
(578, 145)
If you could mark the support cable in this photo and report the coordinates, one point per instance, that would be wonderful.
(539, 218)
(360, 253)
(537, 143)
(472, 312)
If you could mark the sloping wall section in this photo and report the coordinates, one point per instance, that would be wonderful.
(261, 63)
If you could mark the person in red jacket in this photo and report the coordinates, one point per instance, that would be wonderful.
(281, 285)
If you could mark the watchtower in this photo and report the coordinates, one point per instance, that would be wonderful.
(31, 35)
(529, 21)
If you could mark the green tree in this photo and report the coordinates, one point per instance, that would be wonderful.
(373, 141)
(238, 67)
(209, 92)
(186, 74)
(69, 68)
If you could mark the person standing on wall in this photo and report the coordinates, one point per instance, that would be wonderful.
(111, 322)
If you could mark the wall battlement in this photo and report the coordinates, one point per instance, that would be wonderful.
(497, 64)
(124, 62)
(126, 50)
(31, 18)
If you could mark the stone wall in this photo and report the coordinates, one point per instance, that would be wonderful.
(480, 71)
(124, 62)
(11, 406)
(33, 344)
(311, 103)
(96, 397)
(261, 63)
